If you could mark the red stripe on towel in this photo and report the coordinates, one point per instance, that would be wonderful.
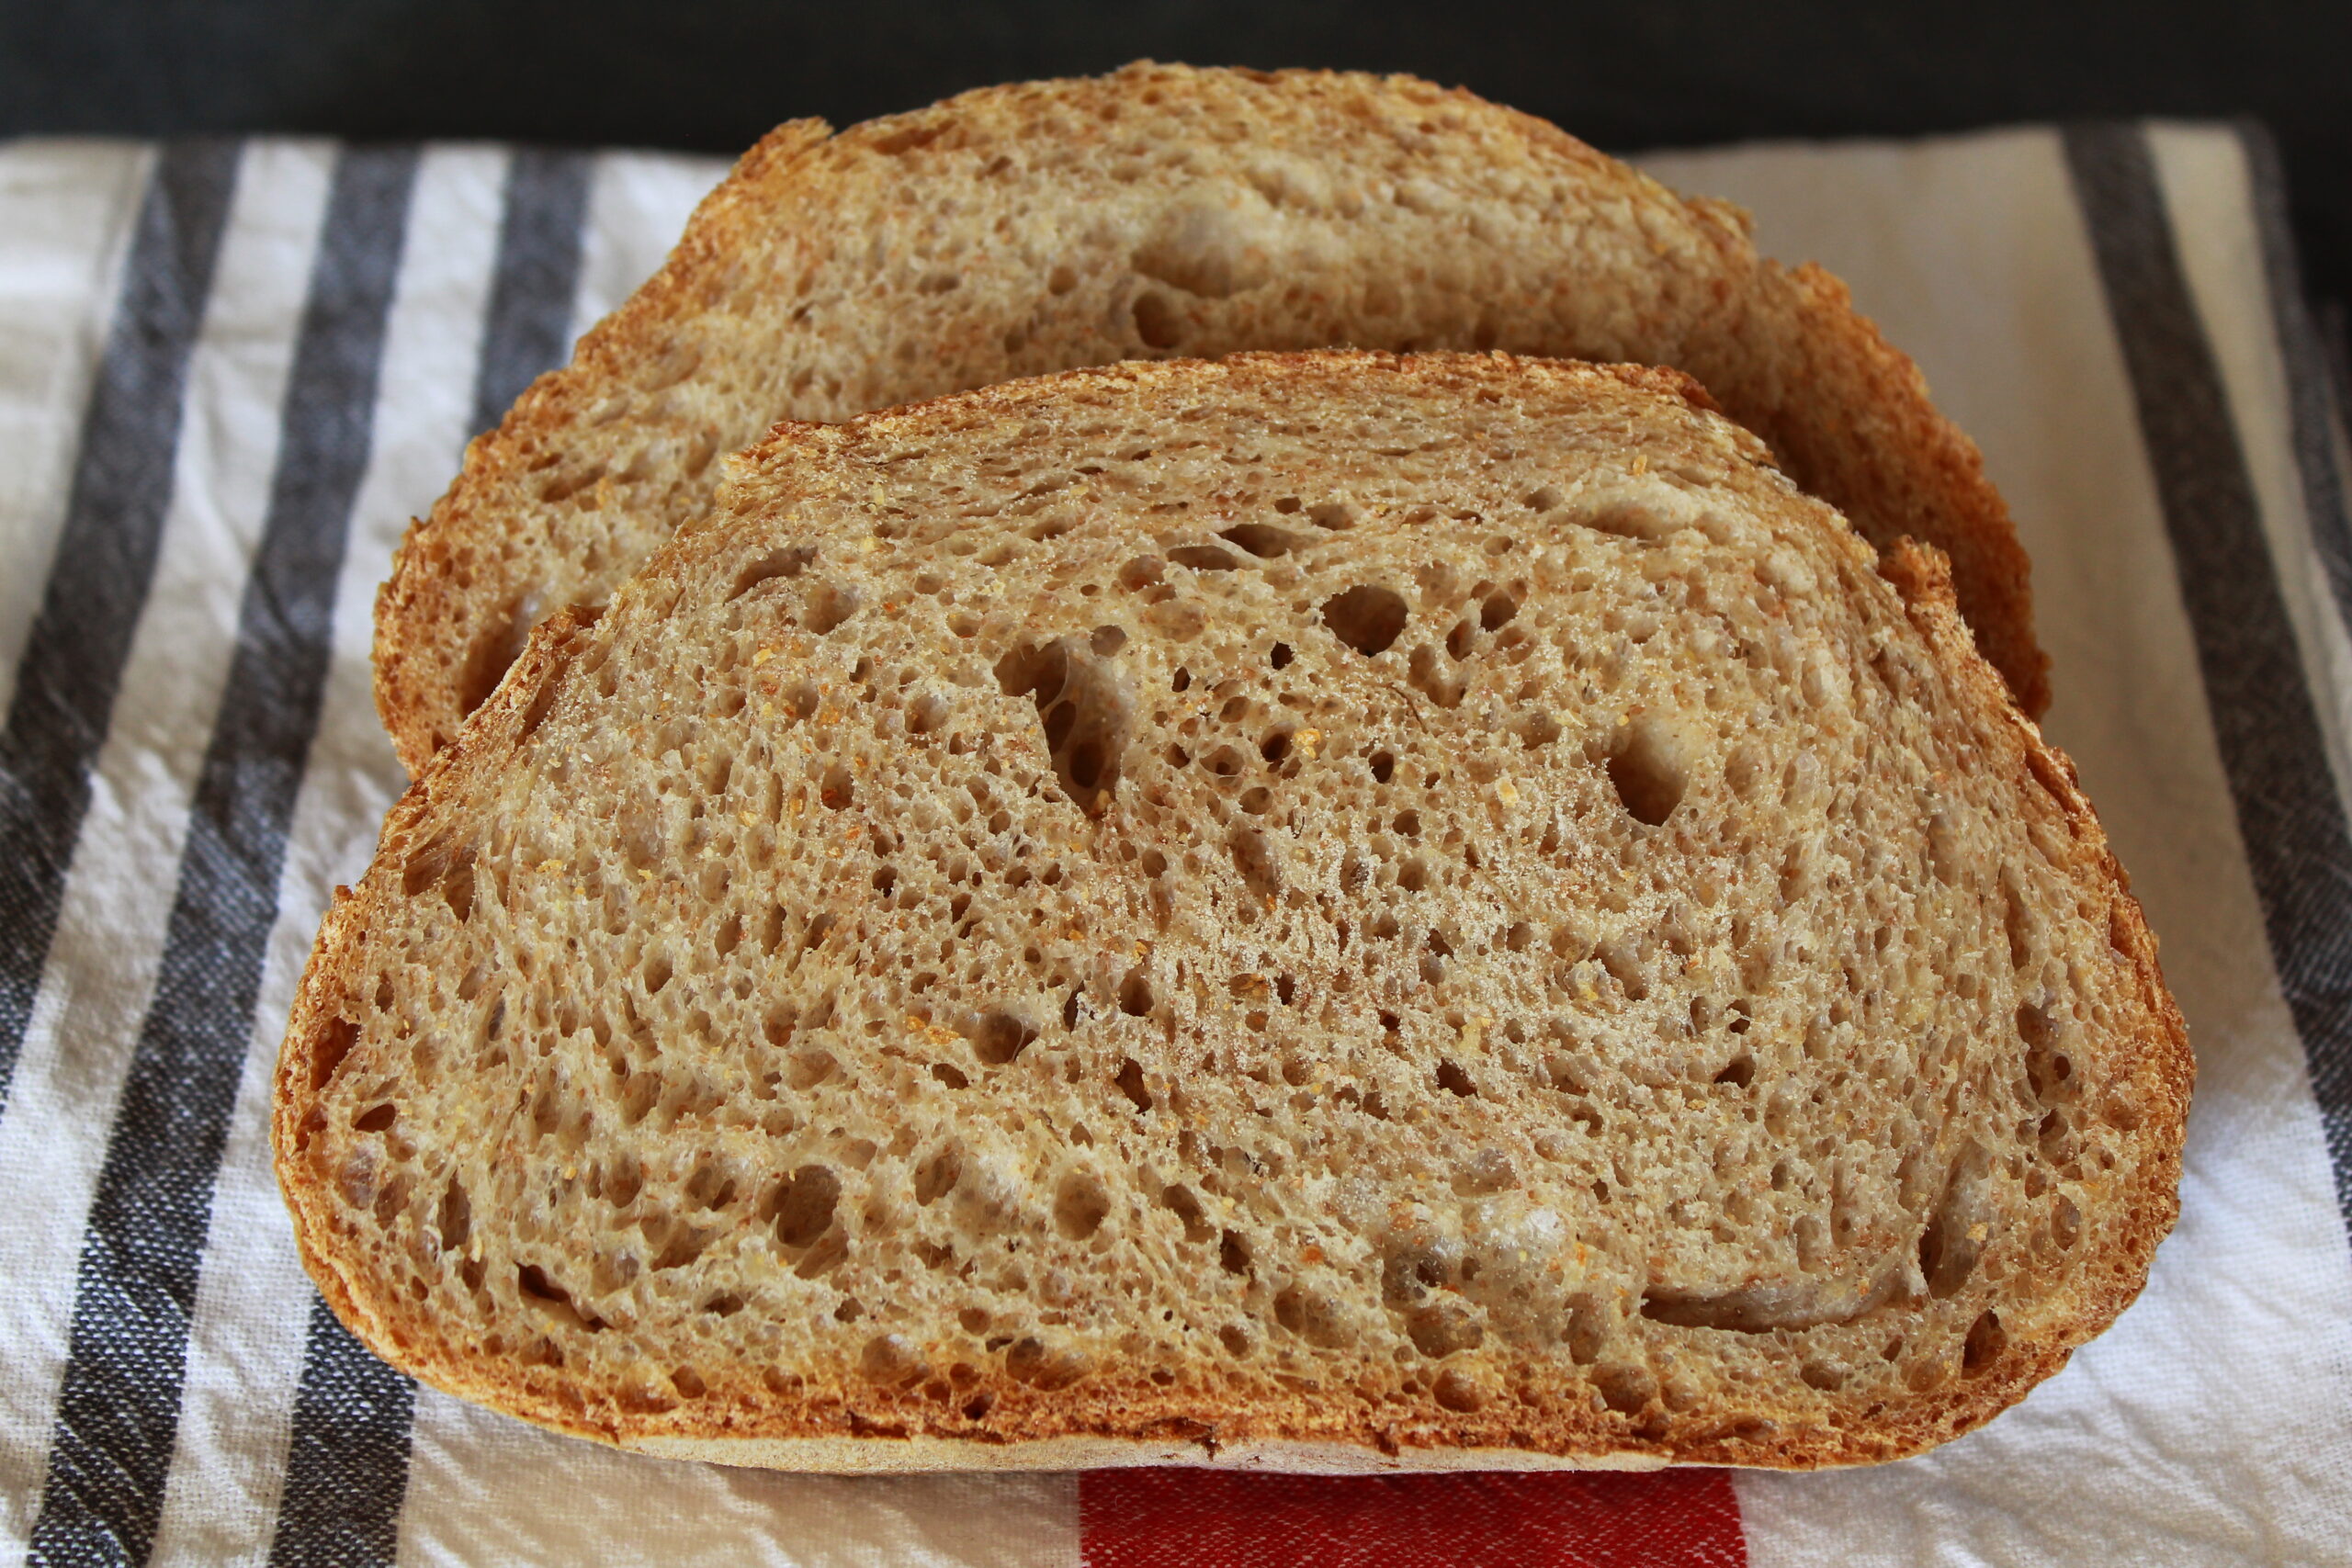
(1205, 1518)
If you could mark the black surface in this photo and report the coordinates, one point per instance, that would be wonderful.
(1630, 74)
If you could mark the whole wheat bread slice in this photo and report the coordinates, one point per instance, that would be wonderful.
(1158, 211)
(1331, 911)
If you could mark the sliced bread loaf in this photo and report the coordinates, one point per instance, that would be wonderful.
(1329, 911)
(1158, 211)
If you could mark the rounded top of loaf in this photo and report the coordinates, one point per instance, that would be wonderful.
(1160, 212)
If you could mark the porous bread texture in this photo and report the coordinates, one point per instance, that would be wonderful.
(1334, 910)
(1156, 212)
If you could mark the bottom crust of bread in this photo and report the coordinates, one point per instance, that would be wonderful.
(895, 1456)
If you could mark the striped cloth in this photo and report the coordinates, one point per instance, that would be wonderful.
(229, 372)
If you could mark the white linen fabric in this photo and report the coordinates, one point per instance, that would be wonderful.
(230, 372)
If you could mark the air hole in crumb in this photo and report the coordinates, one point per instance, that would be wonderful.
(376, 1120)
(1031, 1360)
(1082, 704)
(926, 714)
(1739, 1071)
(890, 1359)
(1986, 1340)
(1131, 1084)
(950, 1076)
(1647, 771)
(1263, 539)
(1255, 858)
(1443, 1328)
(2017, 924)
(1134, 994)
(456, 1220)
(1441, 687)
(838, 789)
(1311, 1316)
(1233, 1253)
(1156, 322)
(937, 1176)
(1281, 656)
(998, 1037)
(533, 1281)
(1187, 1208)
(802, 1208)
(1456, 1389)
(1080, 1205)
(829, 605)
(1451, 1075)
(1203, 558)
(1626, 1389)
(1367, 619)
(1955, 1233)
(788, 562)
(1383, 765)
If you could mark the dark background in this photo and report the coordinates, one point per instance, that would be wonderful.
(1627, 76)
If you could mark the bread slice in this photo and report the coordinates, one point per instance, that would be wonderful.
(1158, 211)
(1331, 911)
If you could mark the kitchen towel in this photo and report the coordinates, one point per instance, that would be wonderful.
(229, 372)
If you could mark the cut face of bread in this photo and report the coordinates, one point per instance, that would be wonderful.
(1328, 910)
(1156, 212)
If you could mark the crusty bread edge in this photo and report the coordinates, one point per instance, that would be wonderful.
(1149, 1432)
(417, 594)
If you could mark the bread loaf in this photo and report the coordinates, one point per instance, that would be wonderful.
(1331, 911)
(1154, 212)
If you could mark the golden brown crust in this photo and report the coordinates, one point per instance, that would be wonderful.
(856, 1428)
(1848, 414)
